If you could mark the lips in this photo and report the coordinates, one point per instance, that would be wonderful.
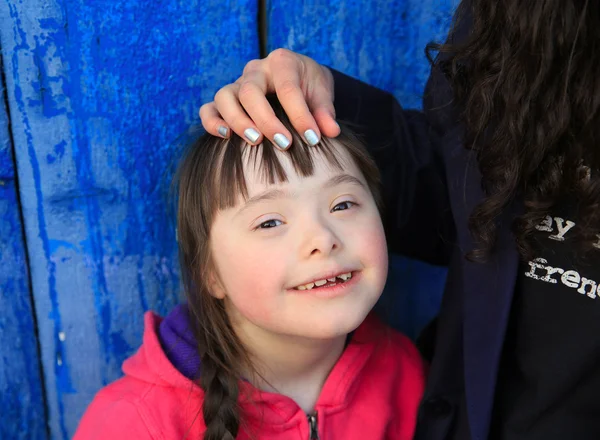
(326, 282)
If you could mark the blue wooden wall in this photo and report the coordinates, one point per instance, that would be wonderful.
(97, 94)
(21, 393)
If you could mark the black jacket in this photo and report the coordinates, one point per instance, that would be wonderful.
(431, 184)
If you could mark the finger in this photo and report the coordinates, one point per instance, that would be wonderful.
(252, 98)
(326, 122)
(228, 106)
(253, 66)
(320, 103)
(286, 79)
(212, 121)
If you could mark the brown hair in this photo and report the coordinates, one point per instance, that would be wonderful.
(211, 178)
(528, 79)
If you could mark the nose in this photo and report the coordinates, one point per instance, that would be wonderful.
(320, 239)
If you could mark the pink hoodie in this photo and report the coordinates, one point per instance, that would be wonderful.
(373, 392)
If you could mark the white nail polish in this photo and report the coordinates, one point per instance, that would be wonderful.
(281, 141)
(311, 137)
(251, 134)
(222, 131)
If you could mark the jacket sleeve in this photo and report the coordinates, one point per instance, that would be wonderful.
(406, 147)
(112, 419)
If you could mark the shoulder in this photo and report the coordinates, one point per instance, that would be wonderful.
(117, 412)
(406, 351)
(133, 409)
(152, 401)
(402, 369)
(396, 353)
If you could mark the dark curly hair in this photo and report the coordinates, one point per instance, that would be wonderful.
(528, 80)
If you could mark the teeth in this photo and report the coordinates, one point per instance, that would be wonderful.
(345, 276)
(329, 281)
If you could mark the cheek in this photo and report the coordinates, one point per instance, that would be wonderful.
(374, 248)
(252, 277)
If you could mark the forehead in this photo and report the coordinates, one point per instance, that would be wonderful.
(257, 179)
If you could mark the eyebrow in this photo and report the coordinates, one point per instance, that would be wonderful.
(341, 179)
(275, 194)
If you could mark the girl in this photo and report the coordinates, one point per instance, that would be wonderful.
(499, 178)
(283, 257)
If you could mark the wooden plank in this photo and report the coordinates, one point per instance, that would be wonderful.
(98, 92)
(383, 43)
(21, 392)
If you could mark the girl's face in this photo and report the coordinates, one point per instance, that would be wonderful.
(284, 256)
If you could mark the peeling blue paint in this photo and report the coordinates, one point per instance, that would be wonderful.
(21, 393)
(59, 150)
(61, 371)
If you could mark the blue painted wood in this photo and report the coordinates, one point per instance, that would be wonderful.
(98, 92)
(22, 412)
(383, 43)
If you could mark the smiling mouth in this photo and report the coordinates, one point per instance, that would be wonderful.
(327, 282)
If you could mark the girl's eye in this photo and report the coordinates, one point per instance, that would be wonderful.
(270, 224)
(343, 206)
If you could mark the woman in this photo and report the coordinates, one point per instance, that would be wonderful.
(498, 178)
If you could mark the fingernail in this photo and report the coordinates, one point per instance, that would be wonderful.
(311, 137)
(251, 134)
(222, 131)
(281, 141)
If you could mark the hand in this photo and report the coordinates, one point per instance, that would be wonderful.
(304, 88)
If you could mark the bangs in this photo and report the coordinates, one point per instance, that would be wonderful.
(229, 182)
(211, 175)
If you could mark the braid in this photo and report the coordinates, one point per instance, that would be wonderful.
(223, 359)
(220, 408)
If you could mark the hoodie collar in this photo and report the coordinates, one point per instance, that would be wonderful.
(178, 342)
(152, 364)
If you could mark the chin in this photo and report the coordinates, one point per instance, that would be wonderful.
(337, 326)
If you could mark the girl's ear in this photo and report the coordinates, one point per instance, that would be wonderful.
(215, 286)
